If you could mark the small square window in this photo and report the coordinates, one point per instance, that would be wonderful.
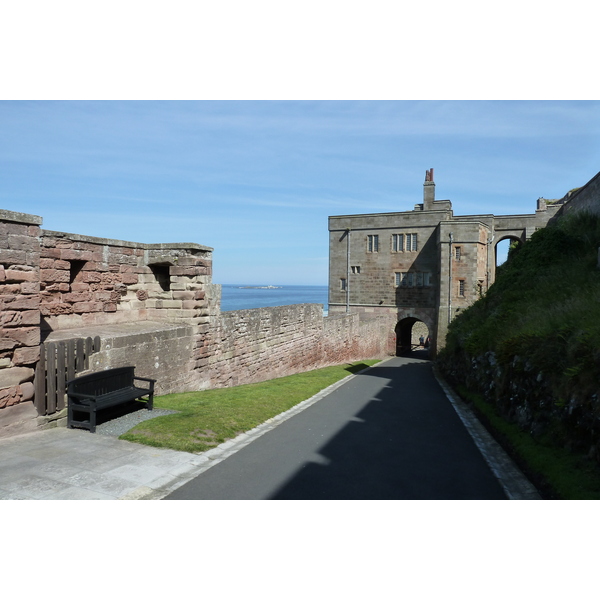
(355, 270)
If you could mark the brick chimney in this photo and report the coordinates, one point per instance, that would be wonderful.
(428, 190)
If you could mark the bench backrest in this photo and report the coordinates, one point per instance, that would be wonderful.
(103, 382)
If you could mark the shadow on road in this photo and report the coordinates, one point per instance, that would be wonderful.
(406, 443)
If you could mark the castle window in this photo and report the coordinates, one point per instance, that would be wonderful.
(405, 279)
(461, 287)
(343, 284)
(457, 252)
(398, 242)
(372, 243)
(75, 268)
(411, 242)
(162, 275)
(355, 270)
(427, 279)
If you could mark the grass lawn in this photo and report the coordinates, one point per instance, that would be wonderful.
(211, 417)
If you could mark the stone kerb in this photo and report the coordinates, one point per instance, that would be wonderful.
(19, 314)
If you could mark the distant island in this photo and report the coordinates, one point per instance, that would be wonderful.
(260, 287)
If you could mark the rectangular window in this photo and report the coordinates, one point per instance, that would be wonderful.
(343, 285)
(457, 252)
(426, 279)
(410, 279)
(372, 243)
(461, 287)
(398, 242)
(355, 270)
(419, 279)
(411, 242)
(398, 280)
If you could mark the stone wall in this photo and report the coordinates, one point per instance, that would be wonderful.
(19, 315)
(264, 343)
(88, 281)
(153, 306)
(585, 198)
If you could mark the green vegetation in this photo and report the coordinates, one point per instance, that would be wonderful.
(530, 350)
(209, 418)
(557, 473)
(544, 305)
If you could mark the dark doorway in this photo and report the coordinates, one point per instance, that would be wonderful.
(412, 335)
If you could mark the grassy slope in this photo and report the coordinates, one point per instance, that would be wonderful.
(544, 308)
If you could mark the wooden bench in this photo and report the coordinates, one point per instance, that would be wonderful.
(104, 389)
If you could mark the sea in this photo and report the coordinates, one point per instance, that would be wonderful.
(238, 297)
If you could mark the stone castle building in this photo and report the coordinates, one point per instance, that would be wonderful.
(419, 266)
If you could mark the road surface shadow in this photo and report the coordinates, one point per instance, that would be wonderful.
(406, 443)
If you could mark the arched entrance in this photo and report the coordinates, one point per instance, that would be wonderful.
(504, 247)
(409, 333)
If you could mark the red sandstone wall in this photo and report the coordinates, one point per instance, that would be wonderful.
(19, 306)
(260, 344)
(90, 281)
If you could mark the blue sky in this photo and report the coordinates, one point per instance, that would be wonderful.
(256, 180)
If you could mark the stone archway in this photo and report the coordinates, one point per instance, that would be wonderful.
(408, 333)
(501, 248)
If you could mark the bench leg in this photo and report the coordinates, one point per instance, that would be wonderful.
(93, 419)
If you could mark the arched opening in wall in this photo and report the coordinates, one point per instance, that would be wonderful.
(504, 249)
(162, 275)
(412, 336)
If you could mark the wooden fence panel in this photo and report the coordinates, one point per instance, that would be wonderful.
(40, 384)
(51, 378)
(61, 375)
(60, 362)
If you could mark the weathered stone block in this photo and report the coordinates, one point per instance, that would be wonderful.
(23, 336)
(56, 308)
(9, 397)
(129, 278)
(86, 307)
(20, 275)
(23, 242)
(54, 275)
(21, 303)
(26, 356)
(7, 343)
(91, 277)
(27, 390)
(30, 287)
(14, 376)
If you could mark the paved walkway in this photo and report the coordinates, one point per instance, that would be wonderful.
(387, 433)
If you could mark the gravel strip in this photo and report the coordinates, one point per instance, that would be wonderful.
(118, 426)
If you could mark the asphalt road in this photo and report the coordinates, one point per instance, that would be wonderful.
(389, 433)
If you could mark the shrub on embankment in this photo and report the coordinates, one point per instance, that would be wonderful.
(531, 346)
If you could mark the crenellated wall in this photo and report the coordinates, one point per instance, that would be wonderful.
(153, 306)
